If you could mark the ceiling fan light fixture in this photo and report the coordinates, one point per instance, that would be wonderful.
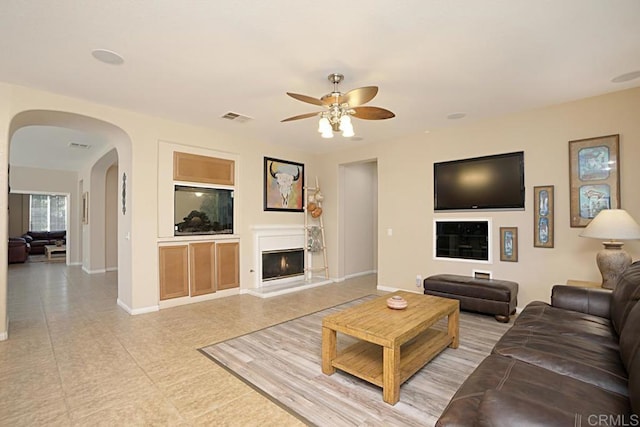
(340, 107)
(348, 132)
(345, 121)
(324, 125)
(327, 134)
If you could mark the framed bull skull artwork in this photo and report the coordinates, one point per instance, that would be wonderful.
(283, 185)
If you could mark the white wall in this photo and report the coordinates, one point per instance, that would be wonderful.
(405, 180)
(111, 219)
(359, 218)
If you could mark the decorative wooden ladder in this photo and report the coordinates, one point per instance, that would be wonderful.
(312, 222)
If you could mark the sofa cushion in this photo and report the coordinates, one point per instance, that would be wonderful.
(39, 235)
(630, 354)
(625, 295)
(554, 322)
(525, 382)
(57, 235)
(498, 408)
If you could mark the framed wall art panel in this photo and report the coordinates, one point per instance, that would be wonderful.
(543, 206)
(509, 244)
(283, 185)
(594, 177)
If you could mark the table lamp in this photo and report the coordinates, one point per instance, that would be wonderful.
(613, 225)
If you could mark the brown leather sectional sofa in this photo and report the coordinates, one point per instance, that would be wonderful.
(38, 239)
(575, 362)
(18, 250)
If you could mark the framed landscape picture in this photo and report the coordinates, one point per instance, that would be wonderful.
(283, 185)
(509, 244)
(543, 216)
(594, 177)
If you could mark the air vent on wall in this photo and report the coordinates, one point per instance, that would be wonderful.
(78, 145)
(236, 117)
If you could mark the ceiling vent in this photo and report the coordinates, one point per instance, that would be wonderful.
(236, 117)
(78, 145)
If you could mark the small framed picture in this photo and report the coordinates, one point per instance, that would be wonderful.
(85, 207)
(283, 185)
(594, 177)
(509, 244)
(543, 216)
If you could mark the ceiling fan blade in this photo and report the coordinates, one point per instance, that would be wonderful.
(331, 98)
(305, 98)
(301, 116)
(360, 96)
(372, 113)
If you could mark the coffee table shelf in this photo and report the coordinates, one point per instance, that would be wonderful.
(392, 344)
(364, 359)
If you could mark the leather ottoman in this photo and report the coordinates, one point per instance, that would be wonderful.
(496, 297)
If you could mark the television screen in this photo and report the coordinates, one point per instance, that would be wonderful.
(200, 210)
(490, 182)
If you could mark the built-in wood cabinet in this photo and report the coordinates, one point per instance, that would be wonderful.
(227, 265)
(174, 271)
(203, 169)
(202, 268)
(198, 268)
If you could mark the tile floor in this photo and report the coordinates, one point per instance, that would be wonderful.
(74, 358)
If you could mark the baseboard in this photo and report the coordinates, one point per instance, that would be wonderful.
(175, 302)
(354, 275)
(133, 312)
(98, 271)
(111, 269)
(4, 335)
(362, 273)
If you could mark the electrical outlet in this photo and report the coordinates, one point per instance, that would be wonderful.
(418, 280)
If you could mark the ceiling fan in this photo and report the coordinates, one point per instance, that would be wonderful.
(339, 107)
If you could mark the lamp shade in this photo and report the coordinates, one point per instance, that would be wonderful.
(612, 224)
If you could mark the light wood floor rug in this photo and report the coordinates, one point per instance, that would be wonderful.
(283, 362)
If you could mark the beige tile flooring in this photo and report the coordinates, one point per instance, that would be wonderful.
(74, 358)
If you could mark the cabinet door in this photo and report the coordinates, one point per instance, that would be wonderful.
(174, 271)
(227, 265)
(201, 259)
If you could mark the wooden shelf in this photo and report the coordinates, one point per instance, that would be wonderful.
(364, 359)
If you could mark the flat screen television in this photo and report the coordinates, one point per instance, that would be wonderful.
(490, 182)
(199, 210)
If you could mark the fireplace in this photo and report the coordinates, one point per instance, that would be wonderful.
(282, 247)
(281, 264)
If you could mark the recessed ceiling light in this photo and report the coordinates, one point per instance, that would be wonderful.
(456, 116)
(626, 77)
(427, 131)
(107, 56)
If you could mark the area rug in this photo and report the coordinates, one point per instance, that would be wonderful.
(284, 363)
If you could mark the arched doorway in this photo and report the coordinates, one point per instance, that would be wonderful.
(93, 180)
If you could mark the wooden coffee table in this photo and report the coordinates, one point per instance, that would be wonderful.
(394, 344)
(51, 249)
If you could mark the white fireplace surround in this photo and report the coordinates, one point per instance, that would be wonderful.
(275, 238)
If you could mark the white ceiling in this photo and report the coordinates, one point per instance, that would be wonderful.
(193, 61)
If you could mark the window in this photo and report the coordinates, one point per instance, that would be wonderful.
(47, 212)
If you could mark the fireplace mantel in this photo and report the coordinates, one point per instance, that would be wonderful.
(273, 238)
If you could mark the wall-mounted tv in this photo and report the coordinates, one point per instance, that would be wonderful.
(490, 182)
